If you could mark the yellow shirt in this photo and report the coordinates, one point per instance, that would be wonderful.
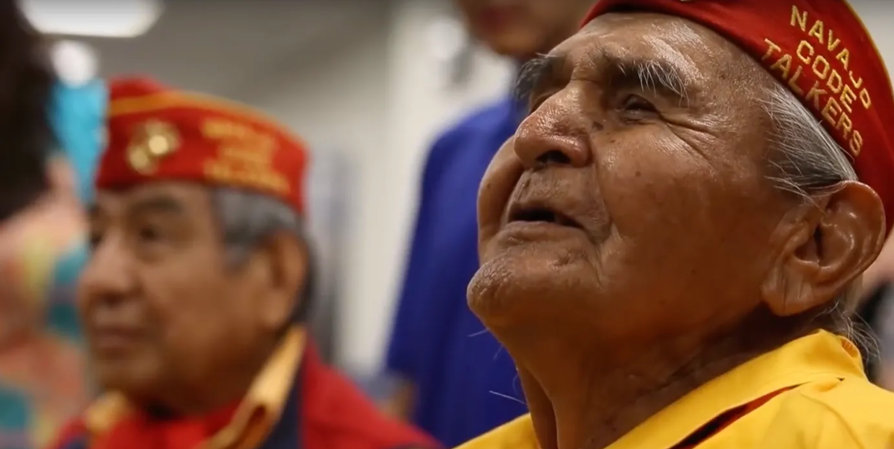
(824, 402)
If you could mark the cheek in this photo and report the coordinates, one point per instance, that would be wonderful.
(654, 185)
(181, 300)
(496, 187)
(208, 306)
(671, 206)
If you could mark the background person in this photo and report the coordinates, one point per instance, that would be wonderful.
(194, 299)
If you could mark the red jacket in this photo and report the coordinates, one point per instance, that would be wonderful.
(325, 411)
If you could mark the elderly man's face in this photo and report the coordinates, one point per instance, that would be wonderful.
(634, 196)
(158, 303)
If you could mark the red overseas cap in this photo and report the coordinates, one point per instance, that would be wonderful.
(819, 50)
(156, 133)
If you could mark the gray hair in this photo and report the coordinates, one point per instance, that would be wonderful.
(246, 219)
(807, 159)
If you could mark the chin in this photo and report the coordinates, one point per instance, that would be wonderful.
(522, 290)
(124, 376)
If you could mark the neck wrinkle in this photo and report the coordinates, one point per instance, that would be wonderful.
(589, 396)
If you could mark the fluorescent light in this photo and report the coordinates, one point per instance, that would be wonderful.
(75, 62)
(99, 18)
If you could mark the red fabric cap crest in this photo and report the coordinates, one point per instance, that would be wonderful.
(819, 50)
(157, 133)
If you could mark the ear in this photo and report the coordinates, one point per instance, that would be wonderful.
(823, 247)
(281, 263)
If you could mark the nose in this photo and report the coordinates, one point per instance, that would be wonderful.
(108, 277)
(554, 134)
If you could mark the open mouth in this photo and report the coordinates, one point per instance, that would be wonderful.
(542, 215)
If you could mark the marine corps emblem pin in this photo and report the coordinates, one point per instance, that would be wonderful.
(152, 141)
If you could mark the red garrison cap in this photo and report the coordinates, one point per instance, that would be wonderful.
(158, 133)
(819, 50)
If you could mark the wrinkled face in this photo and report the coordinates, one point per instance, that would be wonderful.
(633, 199)
(522, 28)
(156, 298)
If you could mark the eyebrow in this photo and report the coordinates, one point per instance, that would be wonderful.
(163, 204)
(534, 72)
(655, 75)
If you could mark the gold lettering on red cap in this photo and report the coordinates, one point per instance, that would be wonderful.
(772, 49)
(844, 57)
(151, 141)
(818, 71)
(835, 83)
(805, 51)
(799, 18)
(816, 31)
(856, 144)
(847, 96)
(244, 157)
(783, 64)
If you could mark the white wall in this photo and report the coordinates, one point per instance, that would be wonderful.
(380, 99)
(878, 16)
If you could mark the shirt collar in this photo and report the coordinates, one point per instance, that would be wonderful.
(820, 355)
(265, 398)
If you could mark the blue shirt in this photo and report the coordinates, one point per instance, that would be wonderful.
(462, 375)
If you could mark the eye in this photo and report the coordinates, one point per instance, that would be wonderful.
(94, 239)
(637, 103)
(95, 233)
(148, 234)
(152, 241)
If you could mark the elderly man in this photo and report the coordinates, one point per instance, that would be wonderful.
(193, 300)
(670, 240)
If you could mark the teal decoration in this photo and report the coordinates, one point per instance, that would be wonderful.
(68, 267)
(78, 119)
(14, 410)
(62, 318)
(15, 419)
